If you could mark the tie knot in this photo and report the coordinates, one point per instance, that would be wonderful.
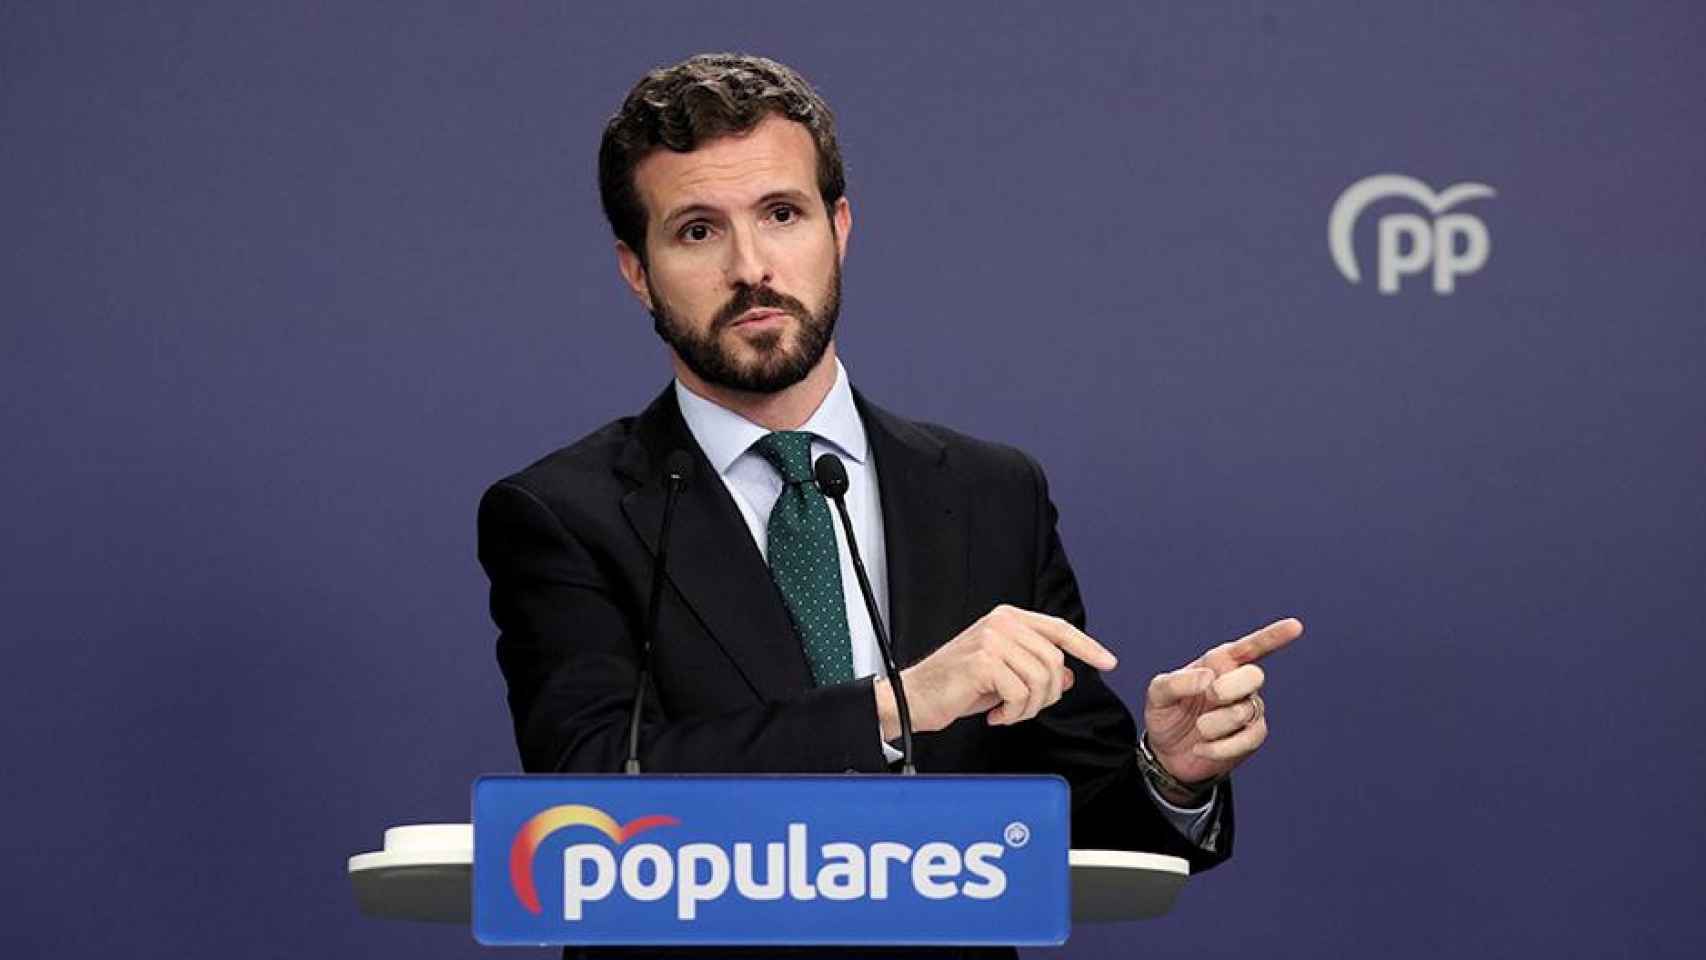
(790, 452)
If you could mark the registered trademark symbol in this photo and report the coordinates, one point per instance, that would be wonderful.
(1017, 834)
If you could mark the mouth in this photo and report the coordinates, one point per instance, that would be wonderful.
(758, 316)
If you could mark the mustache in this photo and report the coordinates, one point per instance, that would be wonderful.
(748, 297)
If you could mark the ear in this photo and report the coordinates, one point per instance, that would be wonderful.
(633, 273)
(842, 220)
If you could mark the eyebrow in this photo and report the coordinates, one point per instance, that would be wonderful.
(791, 195)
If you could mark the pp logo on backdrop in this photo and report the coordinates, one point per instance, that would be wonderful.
(1449, 246)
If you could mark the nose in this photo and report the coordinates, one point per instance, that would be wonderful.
(747, 265)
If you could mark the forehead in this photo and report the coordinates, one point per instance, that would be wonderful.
(777, 154)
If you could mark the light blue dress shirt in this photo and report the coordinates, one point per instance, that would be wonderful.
(727, 437)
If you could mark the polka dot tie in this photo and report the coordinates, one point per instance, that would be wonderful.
(804, 561)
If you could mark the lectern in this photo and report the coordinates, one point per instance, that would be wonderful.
(723, 860)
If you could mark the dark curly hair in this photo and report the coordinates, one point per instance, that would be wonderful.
(700, 99)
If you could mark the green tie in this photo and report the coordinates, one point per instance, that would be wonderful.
(804, 560)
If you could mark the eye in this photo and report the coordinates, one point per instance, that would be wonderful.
(696, 232)
(785, 213)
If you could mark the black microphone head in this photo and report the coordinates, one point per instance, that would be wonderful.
(831, 476)
(678, 467)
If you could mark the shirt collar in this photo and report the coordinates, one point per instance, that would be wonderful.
(724, 435)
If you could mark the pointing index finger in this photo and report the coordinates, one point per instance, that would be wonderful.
(1071, 639)
(1258, 644)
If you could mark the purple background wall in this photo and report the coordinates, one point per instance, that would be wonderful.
(285, 285)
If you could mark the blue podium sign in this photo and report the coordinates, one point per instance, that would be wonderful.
(771, 860)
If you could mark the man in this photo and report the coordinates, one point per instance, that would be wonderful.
(722, 180)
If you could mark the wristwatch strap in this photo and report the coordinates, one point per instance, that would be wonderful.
(1165, 783)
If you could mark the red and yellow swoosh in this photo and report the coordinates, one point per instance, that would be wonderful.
(547, 822)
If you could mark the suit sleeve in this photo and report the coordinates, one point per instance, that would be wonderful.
(569, 649)
(1090, 738)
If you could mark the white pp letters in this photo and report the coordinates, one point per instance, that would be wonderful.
(1452, 244)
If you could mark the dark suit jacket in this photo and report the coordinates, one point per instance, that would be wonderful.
(568, 544)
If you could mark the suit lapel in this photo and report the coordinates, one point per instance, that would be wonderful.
(713, 563)
(924, 533)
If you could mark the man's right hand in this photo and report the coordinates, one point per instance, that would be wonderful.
(1010, 665)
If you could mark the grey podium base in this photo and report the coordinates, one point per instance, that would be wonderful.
(425, 873)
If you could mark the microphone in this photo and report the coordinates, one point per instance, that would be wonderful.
(678, 469)
(832, 482)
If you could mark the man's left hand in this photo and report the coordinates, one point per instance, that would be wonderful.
(1208, 716)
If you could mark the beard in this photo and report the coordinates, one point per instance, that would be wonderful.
(784, 357)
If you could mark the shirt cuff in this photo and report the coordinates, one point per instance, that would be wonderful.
(1191, 822)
